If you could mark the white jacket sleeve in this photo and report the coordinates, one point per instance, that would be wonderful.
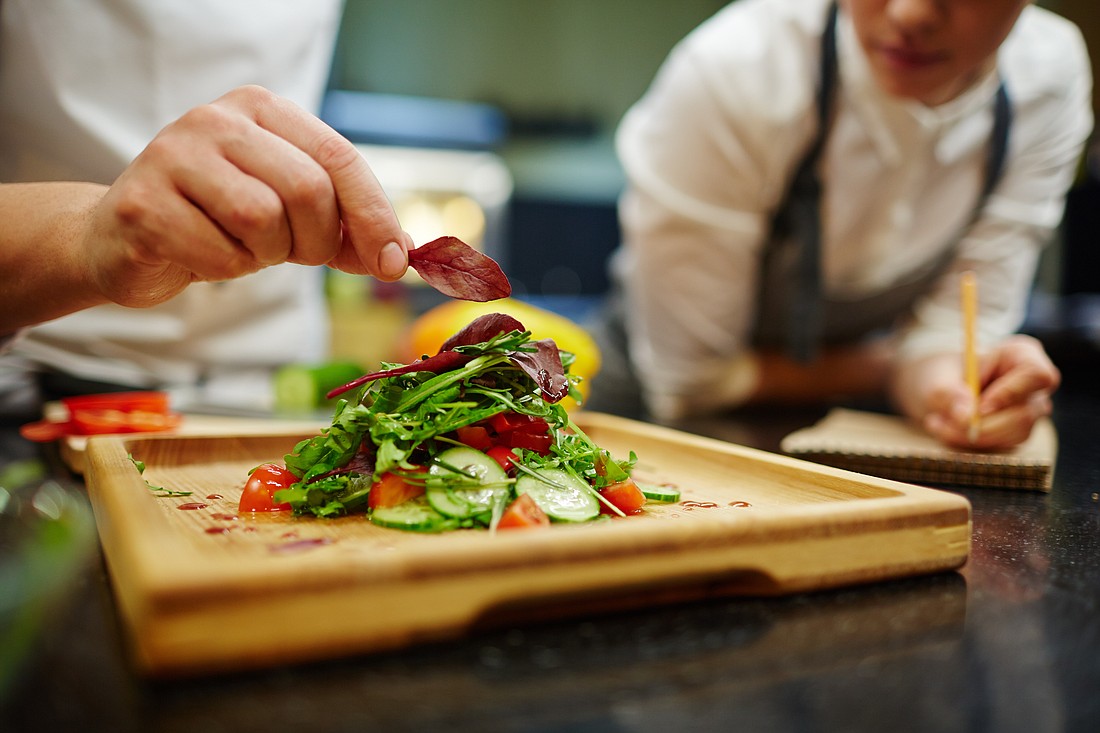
(707, 152)
(1047, 74)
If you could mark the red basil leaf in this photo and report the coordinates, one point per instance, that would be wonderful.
(481, 329)
(444, 361)
(456, 269)
(544, 366)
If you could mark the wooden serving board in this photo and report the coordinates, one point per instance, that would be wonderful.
(72, 448)
(202, 589)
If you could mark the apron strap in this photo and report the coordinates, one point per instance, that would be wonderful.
(804, 315)
(800, 213)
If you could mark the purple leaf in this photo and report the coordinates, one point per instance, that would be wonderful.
(481, 329)
(456, 269)
(444, 361)
(544, 366)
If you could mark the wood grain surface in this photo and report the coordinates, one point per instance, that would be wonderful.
(203, 589)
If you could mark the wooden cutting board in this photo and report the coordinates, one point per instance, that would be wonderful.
(202, 589)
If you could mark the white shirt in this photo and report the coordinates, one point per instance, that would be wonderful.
(84, 86)
(710, 148)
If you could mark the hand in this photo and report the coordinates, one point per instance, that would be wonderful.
(245, 182)
(1017, 380)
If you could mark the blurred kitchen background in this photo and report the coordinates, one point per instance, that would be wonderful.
(492, 120)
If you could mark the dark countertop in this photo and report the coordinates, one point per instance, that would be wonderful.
(1010, 643)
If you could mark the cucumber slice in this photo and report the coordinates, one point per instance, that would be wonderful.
(563, 496)
(414, 515)
(666, 494)
(464, 482)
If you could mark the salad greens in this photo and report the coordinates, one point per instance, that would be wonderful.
(458, 432)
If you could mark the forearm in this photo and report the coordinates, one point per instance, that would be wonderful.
(913, 381)
(44, 273)
(770, 377)
(847, 371)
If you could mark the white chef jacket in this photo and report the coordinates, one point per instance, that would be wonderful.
(84, 86)
(710, 149)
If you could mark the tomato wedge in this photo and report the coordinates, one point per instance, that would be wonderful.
(523, 513)
(259, 491)
(625, 495)
(392, 489)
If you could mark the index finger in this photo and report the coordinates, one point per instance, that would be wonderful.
(374, 242)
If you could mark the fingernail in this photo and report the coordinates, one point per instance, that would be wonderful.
(392, 261)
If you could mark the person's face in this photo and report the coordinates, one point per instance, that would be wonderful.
(931, 50)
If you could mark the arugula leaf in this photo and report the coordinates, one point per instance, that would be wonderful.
(157, 490)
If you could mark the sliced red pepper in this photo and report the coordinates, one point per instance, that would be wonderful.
(475, 436)
(503, 455)
(102, 421)
(97, 414)
(506, 422)
(538, 442)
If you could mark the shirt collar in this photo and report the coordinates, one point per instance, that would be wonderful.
(953, 129)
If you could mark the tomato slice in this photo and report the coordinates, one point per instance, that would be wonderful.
(259, 491)
(392, 489)
(523, 513)
(625, 495)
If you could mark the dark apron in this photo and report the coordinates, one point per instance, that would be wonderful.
(792, 309)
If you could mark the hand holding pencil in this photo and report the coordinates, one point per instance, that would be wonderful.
(990, 398)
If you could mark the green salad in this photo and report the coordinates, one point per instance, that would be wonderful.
(474, 436)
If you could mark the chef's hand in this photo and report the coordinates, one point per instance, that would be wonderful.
(247, 181)
(1017, 378)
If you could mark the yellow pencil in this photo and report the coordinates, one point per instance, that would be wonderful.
(970, 348)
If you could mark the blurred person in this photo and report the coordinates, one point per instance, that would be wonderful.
(807, 181)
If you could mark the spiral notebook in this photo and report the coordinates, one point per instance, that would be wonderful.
(890, 447)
